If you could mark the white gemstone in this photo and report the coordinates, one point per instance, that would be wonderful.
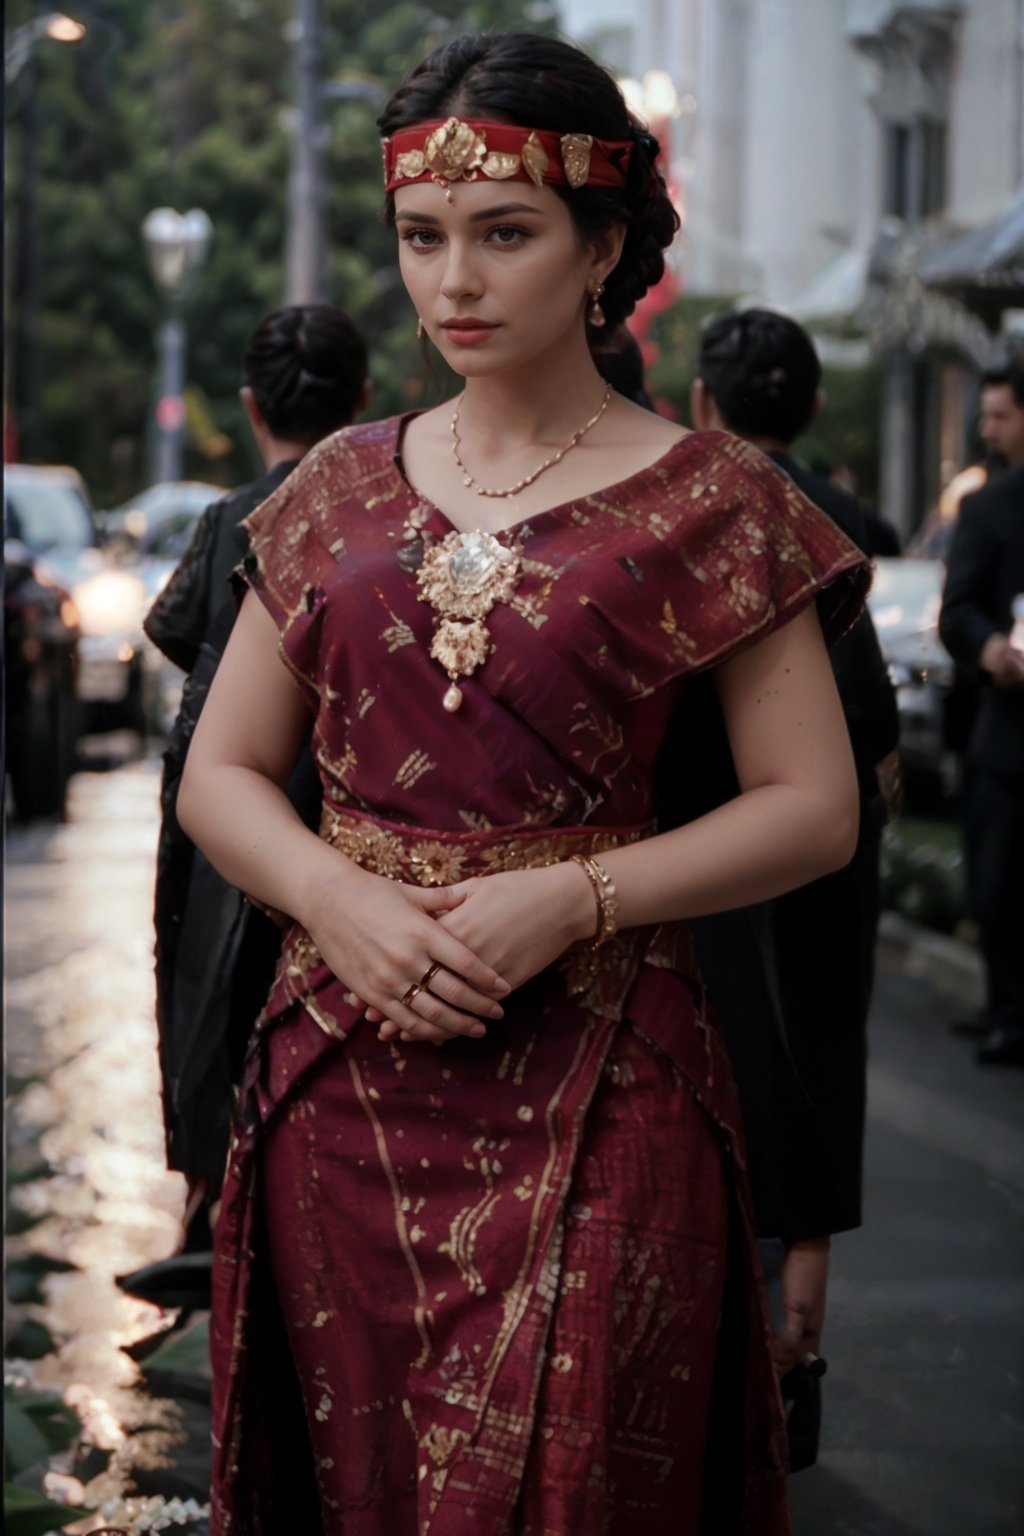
(474, 561)
(453, 698)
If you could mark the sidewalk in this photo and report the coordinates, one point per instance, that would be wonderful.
(924, 1409)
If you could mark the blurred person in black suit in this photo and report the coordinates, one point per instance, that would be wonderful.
(791, 979)
(985, 574)
(883, 540)
(305, 372)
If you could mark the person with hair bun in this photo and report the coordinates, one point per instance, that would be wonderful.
(485, 1261)
(305, 376)
(792, 979)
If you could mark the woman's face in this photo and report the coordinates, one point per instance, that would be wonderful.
(504, 255)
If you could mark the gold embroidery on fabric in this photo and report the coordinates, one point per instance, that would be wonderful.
(413, 769)
(397, 634)
(422, 1317)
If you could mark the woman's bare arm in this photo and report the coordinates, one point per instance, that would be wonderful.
(232, 801)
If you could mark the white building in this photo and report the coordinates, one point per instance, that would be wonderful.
(815, 127)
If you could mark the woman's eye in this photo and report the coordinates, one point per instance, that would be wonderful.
(421, 239)
(509, 234)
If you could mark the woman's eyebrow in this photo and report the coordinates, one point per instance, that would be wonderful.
(500, 212)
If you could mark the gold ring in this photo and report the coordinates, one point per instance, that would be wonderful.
(430, 973)
(411, 993)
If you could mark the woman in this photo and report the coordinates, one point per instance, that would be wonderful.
(500, 1265)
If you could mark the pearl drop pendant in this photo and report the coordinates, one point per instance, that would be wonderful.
(452, 699)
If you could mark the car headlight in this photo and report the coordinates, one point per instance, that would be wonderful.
(110, 601)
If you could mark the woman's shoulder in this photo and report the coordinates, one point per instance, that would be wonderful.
(364, 445)
(714, 478)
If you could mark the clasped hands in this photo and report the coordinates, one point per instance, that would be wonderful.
(435, 963)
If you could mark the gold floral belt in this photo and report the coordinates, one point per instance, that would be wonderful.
(419, 856)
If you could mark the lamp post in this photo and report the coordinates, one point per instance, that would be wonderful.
(53, 24)
(305, 276)
(176, 245)
(306, 264)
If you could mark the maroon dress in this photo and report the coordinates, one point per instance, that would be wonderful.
(509, 1285)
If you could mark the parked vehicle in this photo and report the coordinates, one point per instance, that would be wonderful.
(157, 513)
(905, 600)
(47, 509)
(40, 667)
(154, 532)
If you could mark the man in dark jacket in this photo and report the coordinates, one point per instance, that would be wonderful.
(305, 377)
(791, 979)
(984, 580)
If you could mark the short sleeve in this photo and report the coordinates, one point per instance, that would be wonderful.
(290, 562)
(748, 553)
(177, 620)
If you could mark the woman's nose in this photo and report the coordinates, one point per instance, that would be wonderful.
(461, 278)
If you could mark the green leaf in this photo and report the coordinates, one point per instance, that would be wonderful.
(186, 1354)
(37, 1426)
(30, 1173)
(20, 1221)
(31, 1341)
(27, 1513)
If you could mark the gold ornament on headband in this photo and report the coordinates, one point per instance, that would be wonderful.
(453, 150)
(461, 151)
(535, 160)
(576, 149)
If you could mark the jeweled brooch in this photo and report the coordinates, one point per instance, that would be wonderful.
(462, 578)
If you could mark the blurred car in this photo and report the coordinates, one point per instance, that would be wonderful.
(40, 667)
(47, 509)
(154, 531)
(932, 540)
(157, 512)
(905, 600)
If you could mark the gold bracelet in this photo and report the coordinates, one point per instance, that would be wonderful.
(605, 895)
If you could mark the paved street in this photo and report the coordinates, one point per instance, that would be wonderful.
(924, 1426)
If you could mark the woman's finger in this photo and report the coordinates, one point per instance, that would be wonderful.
(436, 899)
(427, 1018)
(454, 956)
(453, 990)
(456, 991)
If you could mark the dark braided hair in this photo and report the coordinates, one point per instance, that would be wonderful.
(762, 371)
(306, 366)
(540, 82)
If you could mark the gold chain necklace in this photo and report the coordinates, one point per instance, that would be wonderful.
(556, 458)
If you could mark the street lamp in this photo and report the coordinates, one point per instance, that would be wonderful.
(176, 244)
(54, 25)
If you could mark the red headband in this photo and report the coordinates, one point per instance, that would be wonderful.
(444, 152)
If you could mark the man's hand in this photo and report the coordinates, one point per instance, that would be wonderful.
(1003, 662)
(804, 1281)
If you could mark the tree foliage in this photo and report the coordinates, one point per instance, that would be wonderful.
(184, 104)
